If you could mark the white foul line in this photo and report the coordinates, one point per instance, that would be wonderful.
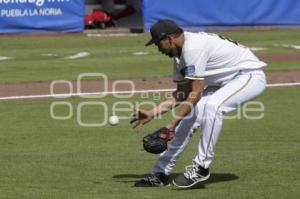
(283, 84)
(66, 95)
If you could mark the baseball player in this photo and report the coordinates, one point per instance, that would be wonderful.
(214, 75)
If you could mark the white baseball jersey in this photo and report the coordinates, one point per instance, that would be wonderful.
(213, 58)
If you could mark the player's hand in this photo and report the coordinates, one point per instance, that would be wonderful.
(171, 126)
(140, 117)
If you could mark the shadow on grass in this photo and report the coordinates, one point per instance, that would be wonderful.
(214, 178)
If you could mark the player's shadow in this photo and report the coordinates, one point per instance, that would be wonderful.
(214, 178)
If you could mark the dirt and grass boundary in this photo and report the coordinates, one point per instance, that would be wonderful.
(143, 83)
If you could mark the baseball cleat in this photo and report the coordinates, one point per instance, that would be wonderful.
(154, 180)
(193, 174)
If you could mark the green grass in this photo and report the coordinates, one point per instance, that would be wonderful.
(111, 55)
(267, 40)
(46, 158)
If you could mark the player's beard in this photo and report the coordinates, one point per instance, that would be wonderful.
(175, 52)
(169, 52)
(172, 51)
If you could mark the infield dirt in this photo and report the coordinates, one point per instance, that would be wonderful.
(144, 83)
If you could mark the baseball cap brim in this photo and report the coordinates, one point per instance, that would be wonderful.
(153, 41)
(150, 42)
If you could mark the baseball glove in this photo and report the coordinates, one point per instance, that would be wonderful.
(157, 142)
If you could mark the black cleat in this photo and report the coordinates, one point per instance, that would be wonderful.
(154, 180)
(193, 174)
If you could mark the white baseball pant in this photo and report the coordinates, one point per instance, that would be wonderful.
(208, 114)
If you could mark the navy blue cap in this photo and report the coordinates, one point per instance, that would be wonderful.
(161, 29)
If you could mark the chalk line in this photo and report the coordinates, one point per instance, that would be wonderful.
(66, 95)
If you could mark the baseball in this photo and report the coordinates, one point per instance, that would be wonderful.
(113, 120)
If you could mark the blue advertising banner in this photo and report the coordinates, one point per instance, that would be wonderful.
(17, 16)
(200, 13)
